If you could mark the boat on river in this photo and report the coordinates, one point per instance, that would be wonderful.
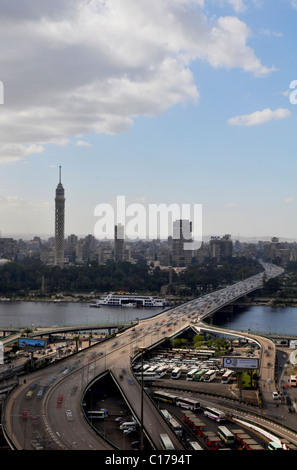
(127, 300)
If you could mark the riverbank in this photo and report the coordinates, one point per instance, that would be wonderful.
(87, 298)
(79, 298)
(32, 298)
(273, 302)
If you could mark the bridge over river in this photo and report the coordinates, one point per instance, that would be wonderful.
(114, 355)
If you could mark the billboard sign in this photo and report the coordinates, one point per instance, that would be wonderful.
(240, 363)
(32, 344)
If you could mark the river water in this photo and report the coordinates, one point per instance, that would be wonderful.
(260, 319)
(257, 319)
(46, 314)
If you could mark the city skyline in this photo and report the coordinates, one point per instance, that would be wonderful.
(171, 102)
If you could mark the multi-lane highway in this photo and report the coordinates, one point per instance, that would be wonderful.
(63, 426)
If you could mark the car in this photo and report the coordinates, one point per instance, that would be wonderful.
(120, 420)
(135, 444)
(69, 415)
(275, 395)
(130, 431)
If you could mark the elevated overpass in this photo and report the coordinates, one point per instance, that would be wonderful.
(113, 355)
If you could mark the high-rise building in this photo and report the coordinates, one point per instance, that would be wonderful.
(221, 247)
(59, 223)
(119, 236)
(182, 233)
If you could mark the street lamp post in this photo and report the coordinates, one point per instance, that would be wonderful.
(141, 405)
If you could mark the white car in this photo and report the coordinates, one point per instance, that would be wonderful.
(275, 395)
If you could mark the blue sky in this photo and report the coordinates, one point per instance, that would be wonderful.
(180, 101)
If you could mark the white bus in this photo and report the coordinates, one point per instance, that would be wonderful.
(165, 396)
(175, 374)
(173, 423)
(165, 442)
(209, 376)
(293, 380)
(274, 446)
(215, 414)
(98, 414)
(161, 371)
(227, 376)
(176, 426)
(195, 446)
(189, 403)
(152, 369)
(226, 435)
(191, 373)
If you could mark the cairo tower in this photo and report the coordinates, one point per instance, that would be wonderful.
(59, 223)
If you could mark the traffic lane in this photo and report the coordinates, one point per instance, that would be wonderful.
(154, 425)
(76, 432)
(16, 426)
(24, 432)
(132, 391)
(66, 419)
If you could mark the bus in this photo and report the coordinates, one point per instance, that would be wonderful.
(226, 377)
(175, 374)
(162, 370)
(293, 381)
(98, 414)
(226, 435)
(152, 369)
(189, 403)
(173, 423)
(165, 396)
(147, 375)
(210, 375)
(137, 368)
(199, 375)
(215, 414)
(191, 373)
(195, 446)
(205, 353)
(165, 442)
(176, 426)
(272, 445)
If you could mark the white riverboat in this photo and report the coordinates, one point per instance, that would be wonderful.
(120, 300)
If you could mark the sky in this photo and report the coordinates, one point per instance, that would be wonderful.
(185, 102)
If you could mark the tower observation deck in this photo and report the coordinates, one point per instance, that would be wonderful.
(59, 223)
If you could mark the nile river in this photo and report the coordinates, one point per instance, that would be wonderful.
(43, 314)
(257, 319)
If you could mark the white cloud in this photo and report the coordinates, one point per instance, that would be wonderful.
(294, 4)
(83, 143)
(259, 117)
(238, 5)
(79, 66)
(20, 213)
(268, 32)
(289, 199)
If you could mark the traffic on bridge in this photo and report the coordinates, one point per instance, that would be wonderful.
(48, 405)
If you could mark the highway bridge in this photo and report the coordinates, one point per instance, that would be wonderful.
(71, 378)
